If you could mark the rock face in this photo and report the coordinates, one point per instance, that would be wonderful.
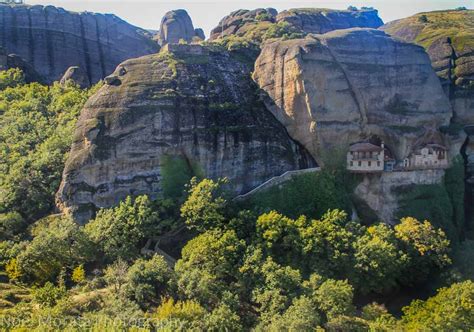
(237, 22)
(186, 103)
(52, 40)
(334, 89)
(325, 20)
(380, 191)
(9, 61)
(76, 75)
(451, 48)
(176, 25)
(311, 20)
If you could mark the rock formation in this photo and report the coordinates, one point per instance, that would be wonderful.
(334, 89)
(238, 22)
(9, 61)
(253, 23)
(176, 25)
(76, 75)
(52, 40)
(198, 32)
(186, 103)
(325, 20)
(451, 48)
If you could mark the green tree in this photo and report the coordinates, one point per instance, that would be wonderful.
(149, 280)
(116, 276)
(209, 263)
(49, 294)
(36, 126)
(427, 248)
(121, 231)
(11, 78)
(451, 309)
(378, 259)
(61, 245)
(204, 207)
(327, 245)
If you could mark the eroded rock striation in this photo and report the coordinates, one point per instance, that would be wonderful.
(52, 40)
(341, 87)
(186, 103)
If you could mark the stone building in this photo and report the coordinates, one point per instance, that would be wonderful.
(366, 157)
(428, 156)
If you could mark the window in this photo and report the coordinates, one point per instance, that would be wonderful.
(370, 163)
(352, 163)
(378, 163)
(360, 163)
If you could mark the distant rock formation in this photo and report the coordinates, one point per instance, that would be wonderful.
(338, 88)
(308, 20)
(76, 75)
(319, 21)
(198, 32)
(52, 40)
(235, 22)
(176, 26)
(9, 61)
(186, 104)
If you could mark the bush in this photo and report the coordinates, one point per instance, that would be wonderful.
(120, 232)
(62, 245)
(49, 294)
(149, 280)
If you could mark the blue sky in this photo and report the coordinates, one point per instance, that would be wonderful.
(206, 14)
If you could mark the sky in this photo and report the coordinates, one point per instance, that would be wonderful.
(206, 14)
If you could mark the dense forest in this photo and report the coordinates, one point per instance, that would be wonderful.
(287, 260)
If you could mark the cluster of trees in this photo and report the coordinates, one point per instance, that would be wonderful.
(241, 270)
(290, 260)
(36, 126)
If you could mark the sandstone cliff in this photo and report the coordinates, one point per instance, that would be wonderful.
(334, 89)
(255, 23)
(448, 37)
(52, 40)
(186, 103)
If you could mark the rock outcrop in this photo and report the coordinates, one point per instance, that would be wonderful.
(380, 191)
(324, 20)
(176, 26)
(254, 23)
(77, 75)
(9, 61)
(52, 40)
(448, 38)
(450, 46)
(240, 21)
(334, 89)
(186, 103)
